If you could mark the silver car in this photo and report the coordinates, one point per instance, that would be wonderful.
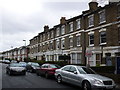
(15, 68)
(83, 77)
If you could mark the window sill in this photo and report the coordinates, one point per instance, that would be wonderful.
(71, 46)
(90, 26)
(91, 45)
(118, 17)
(102, 22)
(78, 28)
(103, 43)
(78, 45)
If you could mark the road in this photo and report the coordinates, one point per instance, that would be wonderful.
(30, 80)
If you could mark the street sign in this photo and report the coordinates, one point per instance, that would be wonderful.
(88, 53)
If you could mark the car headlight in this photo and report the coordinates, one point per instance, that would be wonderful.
(98, 82)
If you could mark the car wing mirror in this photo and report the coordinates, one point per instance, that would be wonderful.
(75, 72)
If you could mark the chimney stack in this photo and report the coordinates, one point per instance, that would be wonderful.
(62, 20)
(46, 28)
(93, 5)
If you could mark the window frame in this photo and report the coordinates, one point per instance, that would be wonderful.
(103, 31)
(71, 26)
(57, 44)
(63, 43)
(78, 42)
(118, 11)
(102, 17)
(57, 31)
(63, 29)
(71, 41)
(91, 20)
(78, 24)
(89, 35)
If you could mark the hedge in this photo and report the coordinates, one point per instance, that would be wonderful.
(104, 69)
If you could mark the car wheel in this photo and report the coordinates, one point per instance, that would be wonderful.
(86, 86)
(31, 70)
(59, 79)
(37, 73)
(46, 75)
(9, 73)
(24, 73)
(6, 72)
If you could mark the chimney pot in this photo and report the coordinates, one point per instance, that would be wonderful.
(46, 28)
(93, 5)
(62, 20)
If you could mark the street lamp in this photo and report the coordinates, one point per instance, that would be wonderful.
(25, 42)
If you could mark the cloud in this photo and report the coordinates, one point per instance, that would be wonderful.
(22, 20)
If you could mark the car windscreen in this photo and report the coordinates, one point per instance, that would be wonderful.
(84, 70)
(15, 65)
(54, 66)
(35, 64)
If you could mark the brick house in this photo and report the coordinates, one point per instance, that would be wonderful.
(96, 31)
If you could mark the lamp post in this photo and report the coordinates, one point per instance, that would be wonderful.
(25, 42)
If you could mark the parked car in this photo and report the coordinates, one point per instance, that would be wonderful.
(15, 68)
(24, 64)
(6, 61)
(47, 70)
(1, 61)
(32, 66)
(13, 61)
(83, 77)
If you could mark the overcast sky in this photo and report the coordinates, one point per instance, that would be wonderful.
(24, 19)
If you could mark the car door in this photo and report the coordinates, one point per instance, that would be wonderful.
(73, 76)
(42, 69)
(65, 73)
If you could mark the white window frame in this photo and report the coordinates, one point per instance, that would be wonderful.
(91, 33)
(71, 26)
(118, 11)
(78, 36)
(91, 20)
(102, 17)
(71, 41)
(57, 31)
(78, 23)
(43, 37)
(51, 34)
(57, 44)
(63, 29)
(63, 43)
(100, 31)
(48, 34)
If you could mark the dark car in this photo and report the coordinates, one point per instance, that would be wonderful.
(32, 66)
(47, 70)
(6, 61)
(15, 68)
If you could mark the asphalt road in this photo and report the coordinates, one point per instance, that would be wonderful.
(30, 81)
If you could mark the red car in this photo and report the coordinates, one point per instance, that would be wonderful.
(47, 70)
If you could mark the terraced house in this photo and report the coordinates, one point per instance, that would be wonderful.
(92, 37)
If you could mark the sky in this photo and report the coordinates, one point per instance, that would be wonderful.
(23, 19)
